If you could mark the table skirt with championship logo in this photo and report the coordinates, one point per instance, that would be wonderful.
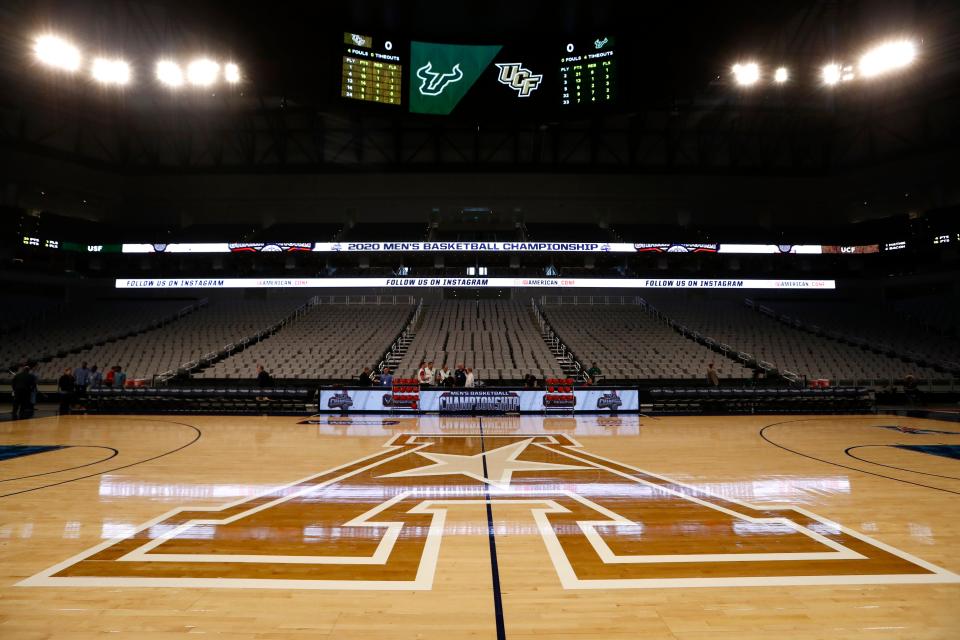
(480, 400)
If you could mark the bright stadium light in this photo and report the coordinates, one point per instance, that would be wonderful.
(746, 74)
(169, 73)
(231, 73)
(110, 71)
(831, 73)
(781, 75)
(203, 72)
(57, 52)
(886, 57)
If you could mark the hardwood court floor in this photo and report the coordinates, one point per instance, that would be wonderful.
(556, 527)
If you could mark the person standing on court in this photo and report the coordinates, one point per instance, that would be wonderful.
(364, 378)
(713, 378)
(594, 373)
(119, 378)
(444, 376)
(96, 378)
(263, 378)
(468, 380)
(81, 376)
(386, 378)
(24, 386)
(459, 377)
(66, 385)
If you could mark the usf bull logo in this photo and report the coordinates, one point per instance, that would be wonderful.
(521, 80)
(378, 523)
(433, 83)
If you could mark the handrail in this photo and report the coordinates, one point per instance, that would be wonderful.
(554, 339)
(231, 348)
(407, 330)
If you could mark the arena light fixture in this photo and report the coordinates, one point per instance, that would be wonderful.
(203, 72)
(746, 74)
(110, 71)
(231, 72)
(56, 52)
(169, 73)
(781, 75)
(831, 73)
(887, 57)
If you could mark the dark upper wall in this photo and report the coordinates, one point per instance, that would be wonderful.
(915, 184)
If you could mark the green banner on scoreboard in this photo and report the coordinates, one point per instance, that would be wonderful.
(441, 74)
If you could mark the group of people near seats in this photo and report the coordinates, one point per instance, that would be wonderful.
(460, 377)
(72, 384)
(368, 378)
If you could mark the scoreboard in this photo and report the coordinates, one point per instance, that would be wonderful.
(525, 79)
(588, 73)
(370, 73)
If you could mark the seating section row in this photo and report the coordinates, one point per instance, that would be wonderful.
(629, 343)
(783, 346)
(498, 340)
(169, 347)
(328, 342)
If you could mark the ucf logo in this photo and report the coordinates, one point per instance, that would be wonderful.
(521, 80)
(377, 523)
(433, 83)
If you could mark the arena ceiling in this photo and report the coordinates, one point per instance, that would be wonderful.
(679, 112)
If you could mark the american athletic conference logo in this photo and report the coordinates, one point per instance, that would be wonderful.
(523, 81)
(378, 521)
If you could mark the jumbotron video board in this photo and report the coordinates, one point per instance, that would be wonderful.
(480, 78)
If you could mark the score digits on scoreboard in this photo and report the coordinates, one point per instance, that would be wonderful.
(588, 73)
(371, 73)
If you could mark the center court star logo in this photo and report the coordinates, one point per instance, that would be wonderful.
(377, 523)
(501, 463)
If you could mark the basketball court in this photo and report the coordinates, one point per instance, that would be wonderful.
(480, 527)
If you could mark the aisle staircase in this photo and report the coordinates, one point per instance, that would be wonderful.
(398, 349)
(572, 368)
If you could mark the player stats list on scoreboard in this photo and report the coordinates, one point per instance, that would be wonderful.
(370, 80)
(370, 74)
(588, 77)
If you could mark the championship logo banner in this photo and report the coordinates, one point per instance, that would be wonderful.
(480, 400)
(378, 523)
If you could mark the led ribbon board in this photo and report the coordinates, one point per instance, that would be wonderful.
(499, 283)
(474, 247)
